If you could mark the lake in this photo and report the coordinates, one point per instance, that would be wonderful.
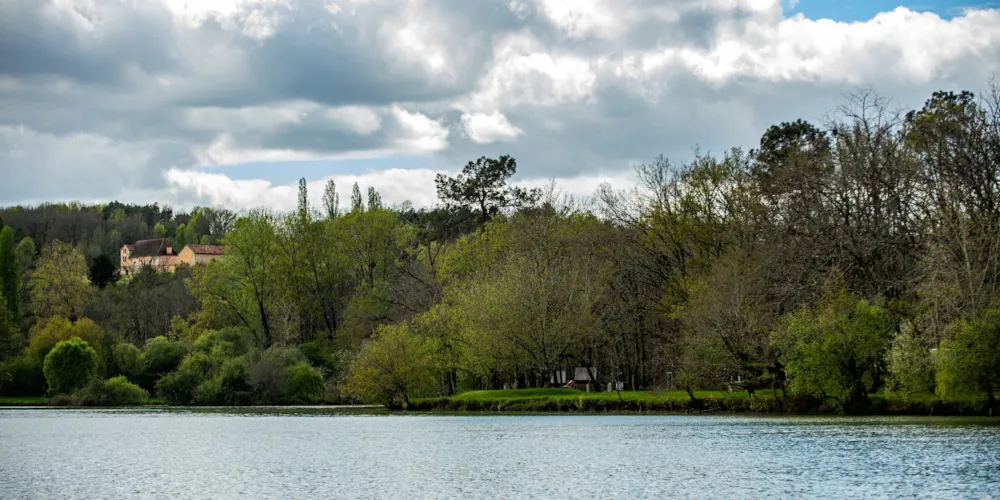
(188, 454)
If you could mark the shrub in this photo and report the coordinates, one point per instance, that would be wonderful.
(62, 400)
(50, 332)
(911, 368)
(209, 392)
(390, 367)
(178, 387)
(318, 356)
(69, 366)
(833, 351)
(22, 376)
(115, 391)
(234, 382)
(969, 361)
(228, 342)
(126, 359)
(269, 373)
(305, 383)
(163, 356)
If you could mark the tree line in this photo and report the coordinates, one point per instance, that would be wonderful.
(834, 261)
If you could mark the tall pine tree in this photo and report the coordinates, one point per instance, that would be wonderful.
(10, 271)
(374, 199)
(331, 200)
(357, 203)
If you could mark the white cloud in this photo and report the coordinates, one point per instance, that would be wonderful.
(358, 119)
(485, 128)
(419, 133)
(188, 188)
(526, 74)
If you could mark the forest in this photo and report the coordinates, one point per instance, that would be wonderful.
(834, 261)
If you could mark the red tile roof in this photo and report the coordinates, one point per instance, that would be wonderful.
(207, 249)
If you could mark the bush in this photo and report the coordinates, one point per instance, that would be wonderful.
(163, 356)
(178, 387)
(127, 360)
(228, 342)
(70, 365)
(115, 391)
(392, 366)
(305, 384)
(911, 368)
(209, 392)
(318, 356)
(269, 373)
(969, 361)
(50, 332)
(234, 383)
(22, 376)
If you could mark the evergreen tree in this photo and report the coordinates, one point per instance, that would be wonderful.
(374, 199)
(10, 272)
(357, 204)
(331, 200)
(303, 200)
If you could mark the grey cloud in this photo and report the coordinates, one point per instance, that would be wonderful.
(108, 114)
(36, 45)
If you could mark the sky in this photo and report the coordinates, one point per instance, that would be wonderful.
(230, 102)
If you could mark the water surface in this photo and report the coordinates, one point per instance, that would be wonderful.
(222, 455)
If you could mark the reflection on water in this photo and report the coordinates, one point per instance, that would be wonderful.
(310, 454)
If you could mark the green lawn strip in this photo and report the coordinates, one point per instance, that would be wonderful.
(23, 400)
(573, 394)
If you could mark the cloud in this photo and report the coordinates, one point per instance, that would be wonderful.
(166, 99)
(484, 128)
(189, 188)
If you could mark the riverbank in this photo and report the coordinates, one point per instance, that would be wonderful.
(571, 400)
(575, 401)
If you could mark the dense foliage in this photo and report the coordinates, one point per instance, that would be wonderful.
(832, 263)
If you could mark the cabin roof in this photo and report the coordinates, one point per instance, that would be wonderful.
(207, 249)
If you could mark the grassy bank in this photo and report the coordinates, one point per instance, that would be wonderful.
(571, 400)
(44, 401)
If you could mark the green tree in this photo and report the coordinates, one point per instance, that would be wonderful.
(26, 253)
(48, 333)
(910, 364)
(10, 336)
(70, 365)
(837, 350)
(305, 383)
(126, 360)
(357, 204)
(390, 368)
(245, 286)
(10, 275)
(969, 361)
(303, 201)
(482, 186)
(180, 237)
(59, 285)
(331, 200)
(159, 231)
(374, 199)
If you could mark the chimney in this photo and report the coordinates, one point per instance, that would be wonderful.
(170, 251)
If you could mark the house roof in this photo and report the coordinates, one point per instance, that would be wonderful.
(207, 249)
(149, 248)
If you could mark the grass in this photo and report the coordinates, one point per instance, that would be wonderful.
(572, 400)
(573, 395)
(764, 401)
(43, 401)
(23, 401)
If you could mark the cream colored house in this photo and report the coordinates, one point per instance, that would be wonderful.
(158, 255)
(193, 255)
